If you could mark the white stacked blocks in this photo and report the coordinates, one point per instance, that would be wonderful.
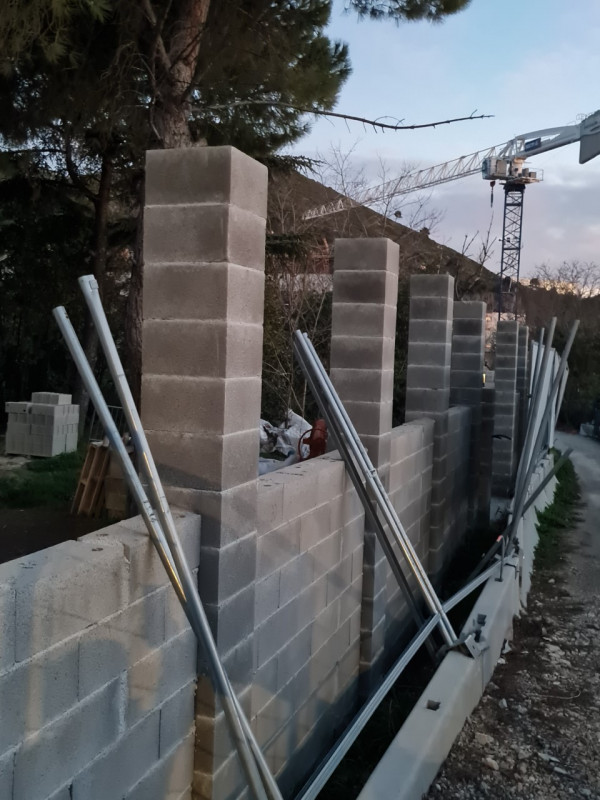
(46, 426)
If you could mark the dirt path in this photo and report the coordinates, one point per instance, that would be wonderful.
(536, 733)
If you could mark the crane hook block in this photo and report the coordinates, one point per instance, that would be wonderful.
(492, 184)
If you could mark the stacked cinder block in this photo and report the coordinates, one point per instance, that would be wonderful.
(506, 429)
(460, 429)
(365, 292)
(204, 250)
(466, 382)
(46, 426)
(523, 381)
(428, 388)
(97, 671)
(411, 467)
(486, 452)
(308, 606)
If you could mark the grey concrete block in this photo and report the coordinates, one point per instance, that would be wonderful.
(361, 352)
(467, 345)
(436, 354)
(204, 462)
(279, 629)
(370, 418)
(295, 577)
(429, 331)
(232, 620)
(176, 718)
(269, 504)
(366, 254)
(470, 309)
(201, 405)
(427, 377)
(160, 674)
(430, 308)
(467, 379)
(469, 361)
(326, 554)
(7, 624)
(206, 291)
(267, 596)
(201, 233)
(468, 327)
(114, 773)
(202, 348)
(224, 571)
(62, 590)
(293, 657)
(420, 402)
(363, 319)
(114, 645)
(83, 732)
(206, 175)
(366, 385)
(7, 765)
(365, 286)
(170, 778)
(432, 286)
(37, 691)
(276, 548)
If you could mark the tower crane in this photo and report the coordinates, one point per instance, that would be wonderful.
(504, 163)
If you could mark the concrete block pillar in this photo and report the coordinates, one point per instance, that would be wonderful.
(466, 382)
(522, 382)
(365, 292)
(505, 414)
(486, 455)
(428, 389)
(204, 235)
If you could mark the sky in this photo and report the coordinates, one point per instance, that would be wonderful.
(531, 63)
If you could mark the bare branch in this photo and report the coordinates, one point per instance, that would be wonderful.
(374, 123)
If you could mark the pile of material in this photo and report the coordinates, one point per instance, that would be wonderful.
(46, 426)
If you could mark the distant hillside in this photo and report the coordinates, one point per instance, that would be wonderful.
(292, 195)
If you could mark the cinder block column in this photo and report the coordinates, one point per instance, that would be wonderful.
(505, 413)
(522, 382)
(428, 388)
(486, 457)
(204, 235)
(365, 292)
(466, 382)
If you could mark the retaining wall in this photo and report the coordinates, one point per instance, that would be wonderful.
(97, 671)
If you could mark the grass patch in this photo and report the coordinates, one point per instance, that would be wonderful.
(560, 517)
(43, 483)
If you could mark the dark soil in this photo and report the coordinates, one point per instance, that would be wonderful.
(27, 530)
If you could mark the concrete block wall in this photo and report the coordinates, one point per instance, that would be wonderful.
(97, 671)
(466, 383)
(308, 610)
(506, 417)
(410, 482)
(428, 389)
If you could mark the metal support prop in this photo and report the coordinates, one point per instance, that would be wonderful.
(365, 498)
(332, 760)
(534, 411)
(539, 441)
(531, 500)
(331, 406)
(166, 541)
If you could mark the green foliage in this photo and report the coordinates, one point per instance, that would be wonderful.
(409, 10)
(559, 518)
(49, 482)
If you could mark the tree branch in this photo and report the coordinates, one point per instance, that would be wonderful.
(374, 123)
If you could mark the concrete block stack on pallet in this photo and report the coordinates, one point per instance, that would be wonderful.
(46, 426)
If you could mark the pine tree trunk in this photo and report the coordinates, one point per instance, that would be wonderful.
(90, 340)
